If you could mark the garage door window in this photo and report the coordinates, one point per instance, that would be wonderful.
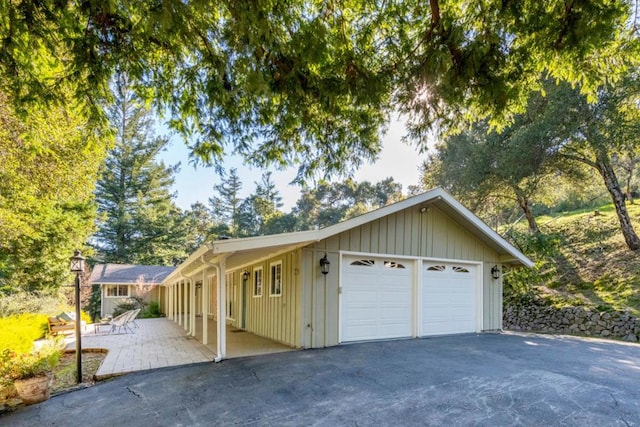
(436, 268)
(276, 279)
(460, 269)
(393, 264)
(364, 263)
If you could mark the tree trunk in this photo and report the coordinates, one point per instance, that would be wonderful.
(523, 201)
(613, 186)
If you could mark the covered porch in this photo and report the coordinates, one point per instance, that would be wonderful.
(213, 298)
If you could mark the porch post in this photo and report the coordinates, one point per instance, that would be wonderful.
(186, 305)
(170, 305)
(180, 302)
(205, 308)
(192, 310)
(221, 311)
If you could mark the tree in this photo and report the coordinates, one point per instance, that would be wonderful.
(138, 221)
(225, 207)
(49, 162)
(480, 164)
(606, 128)
(259, 213)
(309, 82)
(330, 203)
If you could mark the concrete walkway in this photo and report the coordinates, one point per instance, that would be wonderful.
(156, 343)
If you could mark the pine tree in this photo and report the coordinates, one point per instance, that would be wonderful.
(138, 221)
(225, 207)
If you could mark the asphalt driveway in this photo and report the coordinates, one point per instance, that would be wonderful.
(487, 379)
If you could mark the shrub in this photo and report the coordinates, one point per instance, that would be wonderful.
(153, 310)
(15, 365)
(132, 303)
(31, 302)
(18, 332)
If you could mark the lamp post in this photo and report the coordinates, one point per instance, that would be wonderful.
(77, 266)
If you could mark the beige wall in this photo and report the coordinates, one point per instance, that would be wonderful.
(273, 317)
(109, 303)
(431, 234)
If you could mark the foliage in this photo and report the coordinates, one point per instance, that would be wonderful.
(580, 259)
(329, 203)
(225, 206)
(520, 285)
(138, 222)
(32, 303)
(48, 167)
(17, 366)
(18, 332)
(310, 82)
(132, 303)
(93, 306)
(151, 311)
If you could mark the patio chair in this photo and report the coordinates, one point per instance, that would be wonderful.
(122, 321)
(134, 314)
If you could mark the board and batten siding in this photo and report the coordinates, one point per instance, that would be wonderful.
(429, 234)
(274, 317)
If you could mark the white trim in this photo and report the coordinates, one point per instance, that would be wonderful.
(271, 283)
(117, 296)
(254, 270)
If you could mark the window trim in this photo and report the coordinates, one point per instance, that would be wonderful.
(253, 282)
(107, 287)
(271, 278)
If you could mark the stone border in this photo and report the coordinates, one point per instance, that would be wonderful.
(572, 320)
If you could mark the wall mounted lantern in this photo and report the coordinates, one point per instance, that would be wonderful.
(495, 272)
(77, 267)
(324, 264)
(245, 275)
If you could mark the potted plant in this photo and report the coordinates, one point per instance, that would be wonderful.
(30, 373)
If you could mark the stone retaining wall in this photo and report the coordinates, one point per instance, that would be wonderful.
(571, 320)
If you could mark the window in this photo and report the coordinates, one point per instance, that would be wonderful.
(257, 282)
(436, 268)
(364, 262)
(393, 264)
(117, 290)
(457, 269)
(276, 279)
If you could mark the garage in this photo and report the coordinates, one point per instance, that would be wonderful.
(376, 300)
(449, 298)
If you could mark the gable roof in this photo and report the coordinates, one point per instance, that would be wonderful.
(246, 248)
(128, 274)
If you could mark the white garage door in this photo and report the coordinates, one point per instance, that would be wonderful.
(376, 298)
(448, 298)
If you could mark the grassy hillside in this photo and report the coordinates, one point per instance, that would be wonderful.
(580, 260)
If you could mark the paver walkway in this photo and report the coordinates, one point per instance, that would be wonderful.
(156, 343)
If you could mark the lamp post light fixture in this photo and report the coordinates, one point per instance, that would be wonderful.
(324, 265)
(77, 267)
(495, 272)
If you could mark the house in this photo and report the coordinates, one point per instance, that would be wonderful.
(421, 267)
(118, 282)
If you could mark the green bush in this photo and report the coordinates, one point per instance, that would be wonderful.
(152, 310)
(18, 332)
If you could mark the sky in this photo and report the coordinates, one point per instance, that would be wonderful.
(397, 160)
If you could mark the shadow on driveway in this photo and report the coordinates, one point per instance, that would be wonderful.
(487, 379)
